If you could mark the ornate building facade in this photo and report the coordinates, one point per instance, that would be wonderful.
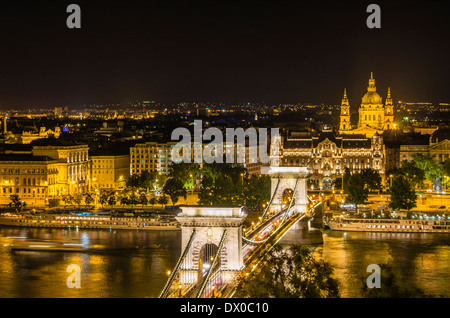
(327, 155)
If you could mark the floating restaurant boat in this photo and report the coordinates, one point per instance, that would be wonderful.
(402, 225)
(83, 221)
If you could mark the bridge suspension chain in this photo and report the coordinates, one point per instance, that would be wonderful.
(286, 213)
(177, 266)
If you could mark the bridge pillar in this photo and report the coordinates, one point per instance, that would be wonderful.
(210, 224)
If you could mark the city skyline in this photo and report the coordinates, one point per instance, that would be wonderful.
(215, 51)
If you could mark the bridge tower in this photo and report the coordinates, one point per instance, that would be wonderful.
(293, 178)
(210, 236)
(282, 178)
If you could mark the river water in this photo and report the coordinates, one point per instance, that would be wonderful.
(137, 264)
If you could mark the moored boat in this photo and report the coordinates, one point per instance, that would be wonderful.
(403, 225)
(87, 222)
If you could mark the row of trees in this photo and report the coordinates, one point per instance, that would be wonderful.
(216, 184)
(220, 184)
(403, 181)
(371, 180)
(358, 185)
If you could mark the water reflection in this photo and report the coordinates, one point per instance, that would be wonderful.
(134, 265)
(423, 259)
(137, 263)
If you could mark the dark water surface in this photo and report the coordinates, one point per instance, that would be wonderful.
(137, 263)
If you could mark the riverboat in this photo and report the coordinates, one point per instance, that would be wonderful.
(109, 222)
(402, 225)
(32, 245)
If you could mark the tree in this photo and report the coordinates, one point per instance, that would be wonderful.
(223, 189)
(211, 170)
(103, 198)
(143, 199)
(446, 167)
(207, 191)
(16, 202)
(132, 199)
(372, 179)
(68, 199)
(152, 201)
(174, 188)
(345, 178)
(431, 168)
(163, 200)
(357, 193)
(446, 170)
(291, 273)
(111, 200)
(124, 201)
(412, 173)
(134, 181)
(184, 172)
(403, 195)
(145, 180)
(88, 199)
(256, 191)
(77, 200)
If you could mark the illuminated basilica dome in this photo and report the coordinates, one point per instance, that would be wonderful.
(374, 117)
(371, 97)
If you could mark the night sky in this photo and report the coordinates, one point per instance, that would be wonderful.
(221, 51)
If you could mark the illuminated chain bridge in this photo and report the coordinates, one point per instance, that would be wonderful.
(216, 253)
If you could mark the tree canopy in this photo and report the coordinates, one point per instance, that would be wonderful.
(228, 184)
(403, 195)
(431, 167)
(289, 273)
(175, 189)
(357, 192)
(372, 179)
(186, 173)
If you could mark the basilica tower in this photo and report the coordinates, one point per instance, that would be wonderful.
(345, 114)
(389, 112)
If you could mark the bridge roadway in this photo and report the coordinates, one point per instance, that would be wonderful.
(257, 243)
